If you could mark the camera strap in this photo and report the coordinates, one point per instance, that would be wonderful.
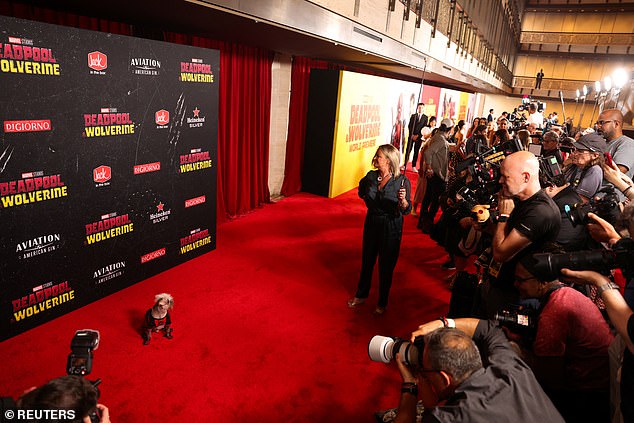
(579, 177)
(544, 300)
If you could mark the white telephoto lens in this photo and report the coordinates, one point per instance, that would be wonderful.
(380, 348)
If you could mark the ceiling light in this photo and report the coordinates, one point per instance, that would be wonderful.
(619, 76)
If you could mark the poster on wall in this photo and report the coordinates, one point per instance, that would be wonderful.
(371, 111)
(108, 165)
(431, 99)
(449, 106)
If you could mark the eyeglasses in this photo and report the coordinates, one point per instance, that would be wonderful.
(603, 122)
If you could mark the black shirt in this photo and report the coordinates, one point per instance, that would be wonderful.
(504, 391)
(384, 202)
(538, 219)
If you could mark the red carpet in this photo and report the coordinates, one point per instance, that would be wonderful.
(262, 332)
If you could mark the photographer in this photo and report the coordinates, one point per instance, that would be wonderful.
(620, 146)
(584, 171)
(621, 317)
(67, 393)
(528, 219)
(550, 146)
(535, 116)
(569, 354)
(456, 386)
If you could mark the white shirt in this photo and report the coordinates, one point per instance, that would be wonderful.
(536, 118)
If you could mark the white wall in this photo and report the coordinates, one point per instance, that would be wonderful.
(280, 100)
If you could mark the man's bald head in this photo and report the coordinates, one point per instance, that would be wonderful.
(523, 161)
(520, 175)
(615, 114)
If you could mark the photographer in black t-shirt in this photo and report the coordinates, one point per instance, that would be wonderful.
(528, 219)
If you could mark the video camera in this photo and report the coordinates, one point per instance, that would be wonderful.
(526, 102)
(550, 172)
(598, 260)
(383, 349)
(484, 169)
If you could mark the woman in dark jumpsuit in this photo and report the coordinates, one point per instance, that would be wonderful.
(386, 193)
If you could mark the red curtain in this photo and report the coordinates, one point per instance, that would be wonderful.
(27, 11)
(243, 124)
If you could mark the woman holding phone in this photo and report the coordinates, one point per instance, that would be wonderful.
(386, 193)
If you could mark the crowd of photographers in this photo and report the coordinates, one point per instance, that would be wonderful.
(536, 222)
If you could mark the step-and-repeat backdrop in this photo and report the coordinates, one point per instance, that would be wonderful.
(108, 164)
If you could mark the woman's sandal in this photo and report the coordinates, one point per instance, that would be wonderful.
(354, 302)
(379, 311)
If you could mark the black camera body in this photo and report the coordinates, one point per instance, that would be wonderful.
(550, 172)
(484, 169)
(525, 105)
(520, 320)
(82, 345)
(606, 207)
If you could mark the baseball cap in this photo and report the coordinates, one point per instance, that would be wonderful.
(447, 122)
(591, 142)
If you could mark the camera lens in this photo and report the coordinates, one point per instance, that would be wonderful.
(383, 349)
(380, 349)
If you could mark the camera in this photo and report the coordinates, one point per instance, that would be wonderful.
(520, 320)
(599, 260)
(606, 207)
(383, 349)
(484, 169)
(79, 361)
(82, 345)
(550, 172)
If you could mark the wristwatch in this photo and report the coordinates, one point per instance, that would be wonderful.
(605, 287)
(503, 218)
(409, 388)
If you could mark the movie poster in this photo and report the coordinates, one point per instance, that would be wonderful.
(107, 165)
(431, 99)
(371, 111)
